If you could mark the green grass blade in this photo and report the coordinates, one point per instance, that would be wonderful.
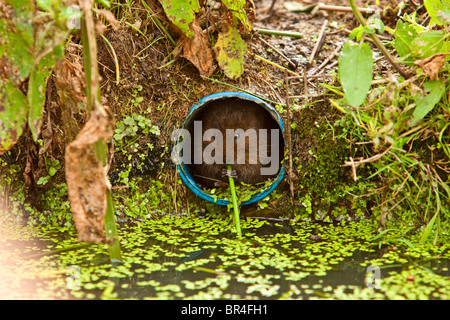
(111, 230)
(237, 222)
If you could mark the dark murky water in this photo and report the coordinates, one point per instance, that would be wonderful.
(182, 258)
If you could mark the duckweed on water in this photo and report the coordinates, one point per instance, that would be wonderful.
(192, 258)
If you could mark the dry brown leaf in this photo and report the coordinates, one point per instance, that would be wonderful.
(69, 82)
(86, 176)
(432, 65)
(198, 51)
(110, 18)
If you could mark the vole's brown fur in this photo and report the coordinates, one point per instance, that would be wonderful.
(234, 114)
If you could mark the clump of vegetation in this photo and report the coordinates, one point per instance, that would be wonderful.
(322, 184)
(401, 130)
(383, 151)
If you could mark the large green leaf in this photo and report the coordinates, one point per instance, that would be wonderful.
(37, 85)
(13, 114)
(16, 37)
(424, 105)
(230, 50)
(428, 43)
(355, 72)
(30, 50)
(237, 8)
(181, 13)
(404, 36)
(433, 6)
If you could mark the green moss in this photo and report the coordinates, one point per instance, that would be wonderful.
(323, 184)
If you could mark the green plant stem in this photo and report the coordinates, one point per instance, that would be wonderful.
(116, 61)
(93, 99)
(377, 41)
(158, 22)
(281, 33)
(111, 230)
(237, 222)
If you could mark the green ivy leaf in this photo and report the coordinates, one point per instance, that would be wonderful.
(379, 25)
(443, 16)
(13, 114)
(355, 72)
(181, 13)
(230, 50)
(37, 85)
(428, 43)
(52, 171)
(404, 36)
(237, 8)
(17, 37)
(356, 33)
(433, 6)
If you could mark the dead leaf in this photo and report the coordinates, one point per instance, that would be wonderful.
(298, 7)
(198, 51)
(69, 81)
(86, 176)
(432, 65)
(110, 18)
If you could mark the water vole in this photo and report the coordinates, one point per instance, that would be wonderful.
(249, 150)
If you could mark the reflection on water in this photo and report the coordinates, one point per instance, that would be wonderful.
(185, 258)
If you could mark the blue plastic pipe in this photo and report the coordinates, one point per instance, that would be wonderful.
(186, 175)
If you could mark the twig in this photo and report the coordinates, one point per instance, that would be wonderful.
(333, 64)
(279, 52)
(270, 12)
(319, 42)
(120, 187)
(315, 76)
(320, 6)
(280, 33)
(345, 9)
(328, 59)
(116, 62)
(354, 164)
(310, 96)
(305, 86)
(272, 63)
(288, 134)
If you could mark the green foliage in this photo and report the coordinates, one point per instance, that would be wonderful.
(127, 130)
(237, 8)
(142, 199)
(31, 49)
(413, 41)
(434, 90)
(355, 72)
(13, 114)
(230, 49)
(181, 13)
(401, 130)
(52, 168)
(405, 34)
(324, 187)
(436, 9)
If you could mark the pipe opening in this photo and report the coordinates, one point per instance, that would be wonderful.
(237, 129)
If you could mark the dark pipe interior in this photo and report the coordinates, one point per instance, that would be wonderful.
(233, 113)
